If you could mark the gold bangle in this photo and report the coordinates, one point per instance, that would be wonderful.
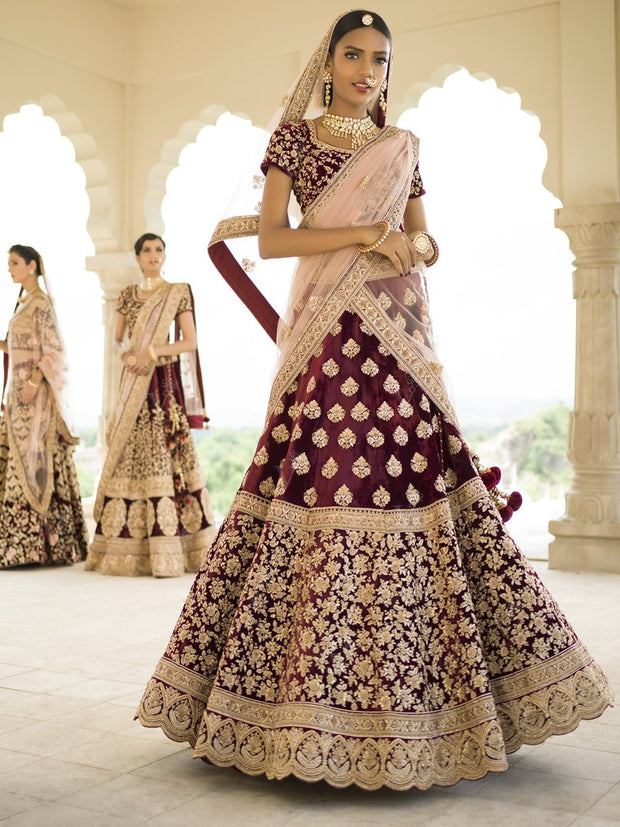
(33, 384)
(151, 352)
(385, 231)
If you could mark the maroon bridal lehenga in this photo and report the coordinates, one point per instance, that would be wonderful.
(363, 617)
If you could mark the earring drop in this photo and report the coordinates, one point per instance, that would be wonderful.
(382, 100)
(327, 90)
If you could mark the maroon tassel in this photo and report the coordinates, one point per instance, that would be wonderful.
(505, 513)
(515, 501)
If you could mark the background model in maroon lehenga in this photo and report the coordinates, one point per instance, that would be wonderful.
(152, 508)
(363, 617)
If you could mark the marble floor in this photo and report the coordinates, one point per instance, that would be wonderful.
(76, 649)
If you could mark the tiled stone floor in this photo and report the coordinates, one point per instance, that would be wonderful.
(76, 649)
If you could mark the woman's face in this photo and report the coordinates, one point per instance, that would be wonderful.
(21, 270)
(360, 54)
(151, 257)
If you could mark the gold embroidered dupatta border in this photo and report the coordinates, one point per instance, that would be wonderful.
(152, 326)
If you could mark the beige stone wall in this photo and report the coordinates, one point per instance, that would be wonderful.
(138, 74)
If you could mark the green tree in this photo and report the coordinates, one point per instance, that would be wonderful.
(224, 455)
(537, 447)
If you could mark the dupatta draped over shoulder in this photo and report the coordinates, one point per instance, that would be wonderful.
(152, 327)
(34, 341)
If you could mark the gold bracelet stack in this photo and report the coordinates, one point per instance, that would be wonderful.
(428, 241)
(385, 231)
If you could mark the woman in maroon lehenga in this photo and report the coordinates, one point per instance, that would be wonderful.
(362, 617)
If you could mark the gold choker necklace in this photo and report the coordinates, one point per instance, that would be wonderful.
(359, 130)
(149, 284)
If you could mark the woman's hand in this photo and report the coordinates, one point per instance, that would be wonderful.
(137, 362)
(28, 393)
(399, 248)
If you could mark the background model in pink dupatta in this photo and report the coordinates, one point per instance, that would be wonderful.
(41, 517)
(152, 507)
(363, 617)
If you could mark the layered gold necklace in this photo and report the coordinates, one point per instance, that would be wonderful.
(151, 283)
(359, 130)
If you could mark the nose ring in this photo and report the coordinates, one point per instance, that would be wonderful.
(371, 81)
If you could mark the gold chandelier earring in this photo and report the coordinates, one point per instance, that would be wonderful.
(327, 89)
(382, 100)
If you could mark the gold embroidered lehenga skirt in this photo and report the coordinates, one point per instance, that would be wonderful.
(27, 536)
(156, 517)
(363, 617)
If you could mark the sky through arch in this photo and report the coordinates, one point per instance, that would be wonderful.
(501, 293)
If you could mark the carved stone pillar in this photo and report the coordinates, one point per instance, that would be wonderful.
(587, 537)
(115, 271)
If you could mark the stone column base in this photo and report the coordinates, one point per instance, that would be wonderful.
(583, 547)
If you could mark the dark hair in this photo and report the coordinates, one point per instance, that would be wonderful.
(353, 20)
(28, 254)
(147, 237)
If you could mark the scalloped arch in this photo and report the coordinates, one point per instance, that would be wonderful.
(95, 171)
(169, 160)
(413, 94)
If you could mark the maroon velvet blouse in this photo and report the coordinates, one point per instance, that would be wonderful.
(295, 149)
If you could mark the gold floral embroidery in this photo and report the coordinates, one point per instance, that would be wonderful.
(350, 348)
(347, 438)
(440, 485)
(336, 413)
(312, 410)
(435, 424)
(349, 387)
(167, 516)
(454, 444)
(365, 329)
(400, 436)
(410, 297)
(295, 410)
(361, 468)
(383, 350)
(310, 497)
(413, 496)
(261, 457)
(384, 411)
(280, 487)
(136, 519)
(419, 463)
(278, 408)
(311, 385)
(384, 300)
(297, 432)
(375, 438)
(330, 468)
(301, 464)
(293, 387)
(280, 433)
(405, 409)
(359, 412)
(424, 403)
(451, 478)
(314, 302)
(320, 438)
(380, 497)
(394, 467)
(331, 368)
(113, 518)
(391, 385)
(400, 321)
(267, 487)
(418, 336)
(336, 329)
(370, 368)
(423, 429)
(191, 515)
(343, 496)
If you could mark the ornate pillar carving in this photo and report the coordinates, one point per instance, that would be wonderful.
(588, 535)
(115, 271)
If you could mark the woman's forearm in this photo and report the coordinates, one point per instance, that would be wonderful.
(284, 242)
